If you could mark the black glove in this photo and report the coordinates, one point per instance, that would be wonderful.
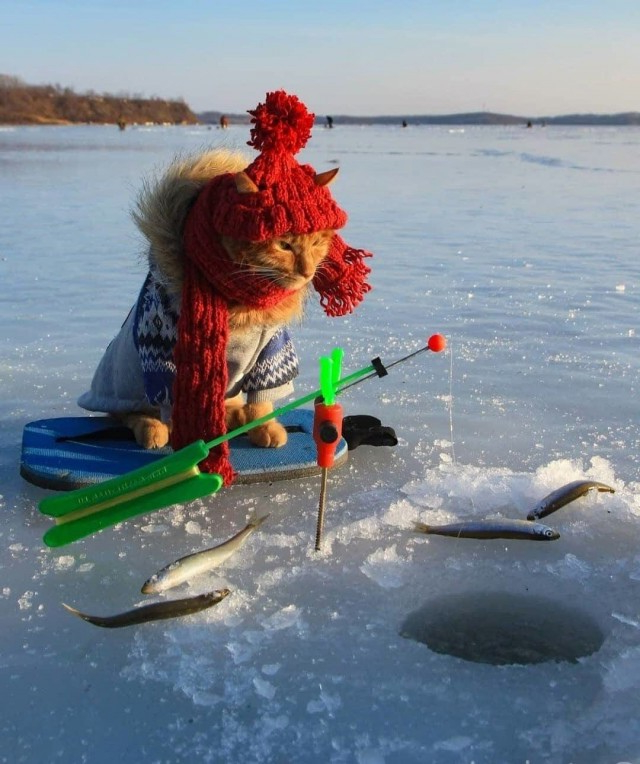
(365, 430)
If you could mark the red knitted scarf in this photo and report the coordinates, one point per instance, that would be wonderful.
(211, 282)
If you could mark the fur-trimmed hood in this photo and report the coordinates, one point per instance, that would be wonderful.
(164, 202)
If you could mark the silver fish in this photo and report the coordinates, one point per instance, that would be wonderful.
(154, 612)
(199, 562)
(492, 529)
(565, 495)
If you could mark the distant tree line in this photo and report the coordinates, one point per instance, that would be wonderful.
(21, 103)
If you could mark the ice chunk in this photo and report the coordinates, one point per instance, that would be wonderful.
(264, 688)
(626, 620)
(325, 703)
(571, 567)
(623, 673)
(193, 528)
(65, 562)
(283, 619)
(386, 567)
(240, 653)
(24, 602)
(454, 744)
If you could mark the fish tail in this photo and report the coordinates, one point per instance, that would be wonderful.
(421, 527)
(255, 521)
(73, 610)
(96, 620)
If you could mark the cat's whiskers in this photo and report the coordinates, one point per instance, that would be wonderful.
(321, 267)
(271, 276)
(281, 278)
(259, 272)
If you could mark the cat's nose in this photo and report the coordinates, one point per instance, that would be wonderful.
(306, 269)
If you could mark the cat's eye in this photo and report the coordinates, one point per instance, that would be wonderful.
(286, 246)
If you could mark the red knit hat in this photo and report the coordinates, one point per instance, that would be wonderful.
(275, 195)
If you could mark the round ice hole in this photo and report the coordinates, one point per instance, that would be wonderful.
(502, 629)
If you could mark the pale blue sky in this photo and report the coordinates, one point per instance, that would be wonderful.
(361, 57)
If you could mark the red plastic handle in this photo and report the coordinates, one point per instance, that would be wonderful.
(327, 431)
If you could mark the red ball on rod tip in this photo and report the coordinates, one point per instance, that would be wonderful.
(437, 343)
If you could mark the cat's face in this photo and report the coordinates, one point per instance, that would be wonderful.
(289, 261)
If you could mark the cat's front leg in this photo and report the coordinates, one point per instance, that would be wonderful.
(235, 415)
(271, 434)
(148, 431)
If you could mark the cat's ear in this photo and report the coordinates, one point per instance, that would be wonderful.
(244, 184)
(325, 178)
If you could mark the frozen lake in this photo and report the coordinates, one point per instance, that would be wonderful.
(521, 246)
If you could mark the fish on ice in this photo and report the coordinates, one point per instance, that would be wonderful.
(196, 563)
(154, 612)
(564, 495)
(492, 529)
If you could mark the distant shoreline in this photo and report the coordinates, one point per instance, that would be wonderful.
(460, 120)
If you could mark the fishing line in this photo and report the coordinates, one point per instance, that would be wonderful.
(453, 448)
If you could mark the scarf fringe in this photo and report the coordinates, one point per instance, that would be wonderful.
(341, 278)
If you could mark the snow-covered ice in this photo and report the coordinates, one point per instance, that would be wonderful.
(521, 246)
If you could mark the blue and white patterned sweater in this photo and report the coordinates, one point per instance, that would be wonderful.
(137, 370)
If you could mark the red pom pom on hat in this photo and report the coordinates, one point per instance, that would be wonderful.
(282, 123)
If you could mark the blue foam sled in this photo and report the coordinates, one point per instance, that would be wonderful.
(70, 452)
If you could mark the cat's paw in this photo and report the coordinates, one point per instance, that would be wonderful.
(148, 431)
(235, 416)
(269, 435)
